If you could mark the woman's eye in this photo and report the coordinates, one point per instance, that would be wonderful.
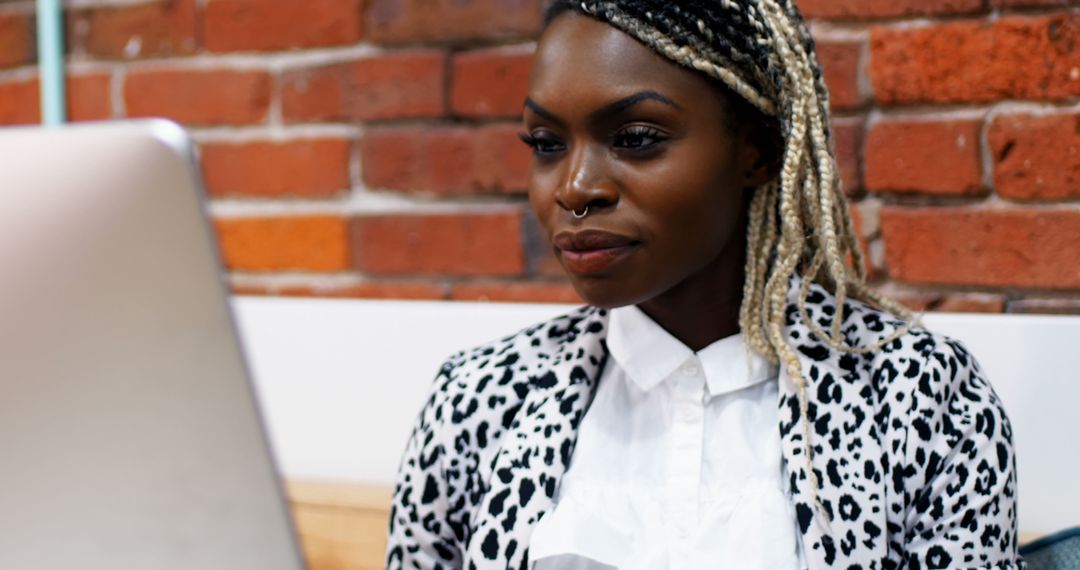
(638, 138)
(542, 144)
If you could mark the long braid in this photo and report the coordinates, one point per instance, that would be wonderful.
(799, 225)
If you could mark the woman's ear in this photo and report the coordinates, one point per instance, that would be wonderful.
(762, 150)
(761, 146)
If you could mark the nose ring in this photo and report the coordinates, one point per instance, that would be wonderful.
(583, 213)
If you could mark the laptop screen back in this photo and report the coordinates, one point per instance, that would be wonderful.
(129, 433)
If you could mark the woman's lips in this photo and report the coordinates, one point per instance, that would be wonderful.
(593, 251)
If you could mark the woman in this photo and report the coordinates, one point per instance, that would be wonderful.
(734, 395)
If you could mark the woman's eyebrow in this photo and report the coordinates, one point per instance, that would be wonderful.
(608, 110)
(625, 103)
(544, 113)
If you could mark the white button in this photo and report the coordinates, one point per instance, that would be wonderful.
(690, 369)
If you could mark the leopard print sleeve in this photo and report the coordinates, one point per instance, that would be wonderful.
(420, 533)
(962, 498)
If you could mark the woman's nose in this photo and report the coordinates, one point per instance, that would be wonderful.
(587, 183)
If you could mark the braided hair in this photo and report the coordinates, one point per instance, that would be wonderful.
(799, 224)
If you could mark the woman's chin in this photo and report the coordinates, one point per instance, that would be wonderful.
(605, 294)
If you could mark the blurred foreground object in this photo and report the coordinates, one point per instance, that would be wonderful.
(50, 42)
(1058, 551)
(130, 435)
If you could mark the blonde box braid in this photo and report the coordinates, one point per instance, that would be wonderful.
(799, 223)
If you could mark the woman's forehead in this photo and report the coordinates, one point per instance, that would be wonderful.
(578, 54)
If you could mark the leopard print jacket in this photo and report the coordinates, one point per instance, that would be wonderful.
(912, 449)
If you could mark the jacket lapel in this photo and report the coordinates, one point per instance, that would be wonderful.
(538, 447)
(846, 460)
(847, 451)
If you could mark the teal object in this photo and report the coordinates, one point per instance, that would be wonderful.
(1059, 551)
(50, 40)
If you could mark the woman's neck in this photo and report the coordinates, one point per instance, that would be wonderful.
(704, 308)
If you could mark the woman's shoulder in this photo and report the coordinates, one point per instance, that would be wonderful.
(931, 404)
(535, 341)
(500, 373)
(899, 358)
(946, 438)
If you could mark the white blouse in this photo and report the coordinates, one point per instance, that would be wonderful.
(677, 465)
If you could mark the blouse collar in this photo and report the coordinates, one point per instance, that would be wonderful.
(649, 354)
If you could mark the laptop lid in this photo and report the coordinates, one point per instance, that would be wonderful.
(129, 434)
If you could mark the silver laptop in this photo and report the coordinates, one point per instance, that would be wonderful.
(130, 438)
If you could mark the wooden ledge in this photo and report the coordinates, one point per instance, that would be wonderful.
(344, 495)
(340, 525)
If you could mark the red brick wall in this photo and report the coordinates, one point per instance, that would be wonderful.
(367, 147)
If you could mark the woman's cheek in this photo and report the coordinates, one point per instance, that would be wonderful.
(541, 199)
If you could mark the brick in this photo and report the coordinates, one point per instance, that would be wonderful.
(1045, 306)
(88, 100)
(303, 243)
(995, 248)
(971, 303)
(307, 167)
(19, 104)
(848, 139)
(515, 292)
(259, 25)
(250, 290)
(404, 21)
(958, 62)
(445, 160)
(920, 300)
(864, 9)
(914, 300)
(163, 28)
(864, 233)
(199, 97)
(16, 39)
(539, 254)
(402, 85)
(840, 64)
(464, 244)
(89, 97)
(408, 290)
(1028, 3)
(491, 82)
(1036, 157)
(931, 157)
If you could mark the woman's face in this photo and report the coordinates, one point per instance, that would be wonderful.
(648, 147)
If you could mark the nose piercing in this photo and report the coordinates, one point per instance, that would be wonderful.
(583, 213)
